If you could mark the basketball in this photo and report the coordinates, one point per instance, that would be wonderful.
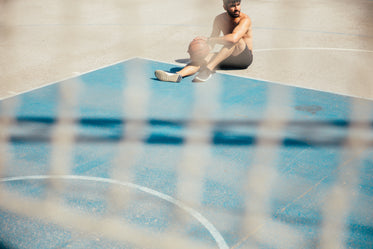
(198, 49)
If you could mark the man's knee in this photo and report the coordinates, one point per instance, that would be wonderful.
(239, 47)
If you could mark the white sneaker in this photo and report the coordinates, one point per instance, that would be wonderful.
(166, 76)
(203, 75)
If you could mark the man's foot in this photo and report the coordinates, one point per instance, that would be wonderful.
(166, 76)
(203, 75)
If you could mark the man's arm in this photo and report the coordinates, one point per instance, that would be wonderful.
(238, 32)
(216, 29)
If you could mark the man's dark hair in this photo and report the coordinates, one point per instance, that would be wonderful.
(226, 2)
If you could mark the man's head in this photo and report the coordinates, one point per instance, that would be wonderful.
(233, 7)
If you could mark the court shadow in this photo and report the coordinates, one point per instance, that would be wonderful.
(226, 68)
(175, 69)
(187, 60)
(183, 61)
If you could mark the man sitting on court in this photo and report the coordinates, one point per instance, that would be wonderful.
(236, 52)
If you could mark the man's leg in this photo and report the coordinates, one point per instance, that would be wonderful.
(188, 70)
(194, 67)
(223, 54)
(241, 61)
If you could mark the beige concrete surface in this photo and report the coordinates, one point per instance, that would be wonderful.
(318, 44)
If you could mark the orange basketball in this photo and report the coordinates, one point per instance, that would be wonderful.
(198, 49)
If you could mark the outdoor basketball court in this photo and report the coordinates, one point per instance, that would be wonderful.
(117, 159)
(95, 152)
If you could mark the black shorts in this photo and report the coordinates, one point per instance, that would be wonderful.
(241, 61)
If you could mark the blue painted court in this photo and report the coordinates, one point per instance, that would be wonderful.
(117, 159)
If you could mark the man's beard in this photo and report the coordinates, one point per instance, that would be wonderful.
(234, 14)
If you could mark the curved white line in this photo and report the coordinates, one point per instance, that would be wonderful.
(308, 48)
(198, 216)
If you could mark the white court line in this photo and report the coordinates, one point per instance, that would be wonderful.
(72, 76)
(198, 216)
(314, 48)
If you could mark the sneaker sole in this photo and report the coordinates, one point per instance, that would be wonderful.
(197, 79)
(163, 76)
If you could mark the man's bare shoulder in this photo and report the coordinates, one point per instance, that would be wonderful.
(221, 17)
(244, 17)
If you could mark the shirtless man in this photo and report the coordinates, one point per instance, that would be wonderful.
(235, 53)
